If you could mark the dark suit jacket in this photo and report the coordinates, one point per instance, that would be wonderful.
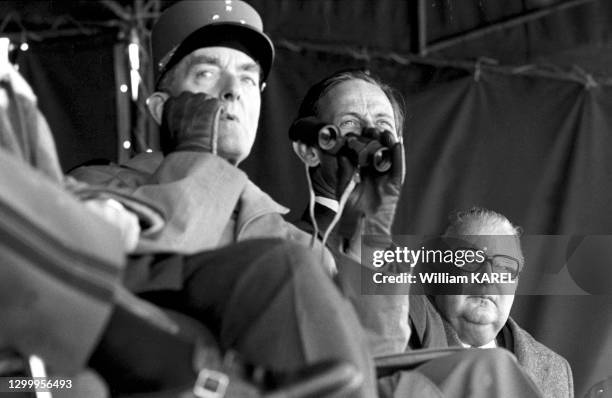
(550, 371)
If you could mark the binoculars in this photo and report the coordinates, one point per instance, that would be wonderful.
(362, 151)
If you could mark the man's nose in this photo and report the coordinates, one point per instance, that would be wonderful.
(230, 88)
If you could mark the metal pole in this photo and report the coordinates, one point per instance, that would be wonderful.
(422, 29)
(496, 27)
(123, 105)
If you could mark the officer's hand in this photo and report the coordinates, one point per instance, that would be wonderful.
(190, 123)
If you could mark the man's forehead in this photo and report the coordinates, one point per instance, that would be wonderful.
(356, 97)
(508, 245)
(355, 93)
(221, 56)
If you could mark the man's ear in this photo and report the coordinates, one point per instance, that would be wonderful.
(155, 103)
(308, 154)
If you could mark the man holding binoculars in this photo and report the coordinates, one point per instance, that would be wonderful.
(348, 135)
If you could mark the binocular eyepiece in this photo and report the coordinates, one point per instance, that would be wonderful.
(362, 151)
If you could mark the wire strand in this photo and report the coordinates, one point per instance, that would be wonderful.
(311, 205)
(215, 130)
(343, 199)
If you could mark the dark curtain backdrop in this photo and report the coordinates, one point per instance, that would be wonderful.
(533, 148)
(74, 80)
(392, 25)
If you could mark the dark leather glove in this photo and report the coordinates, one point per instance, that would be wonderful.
(377, 195)
(383, 189)
(190, 123)
(331, 177)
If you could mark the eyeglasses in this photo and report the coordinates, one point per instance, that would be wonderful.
(500, 263)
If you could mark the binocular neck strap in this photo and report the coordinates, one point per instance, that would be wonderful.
(343, 199)
(355, 178)
(311, 205)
